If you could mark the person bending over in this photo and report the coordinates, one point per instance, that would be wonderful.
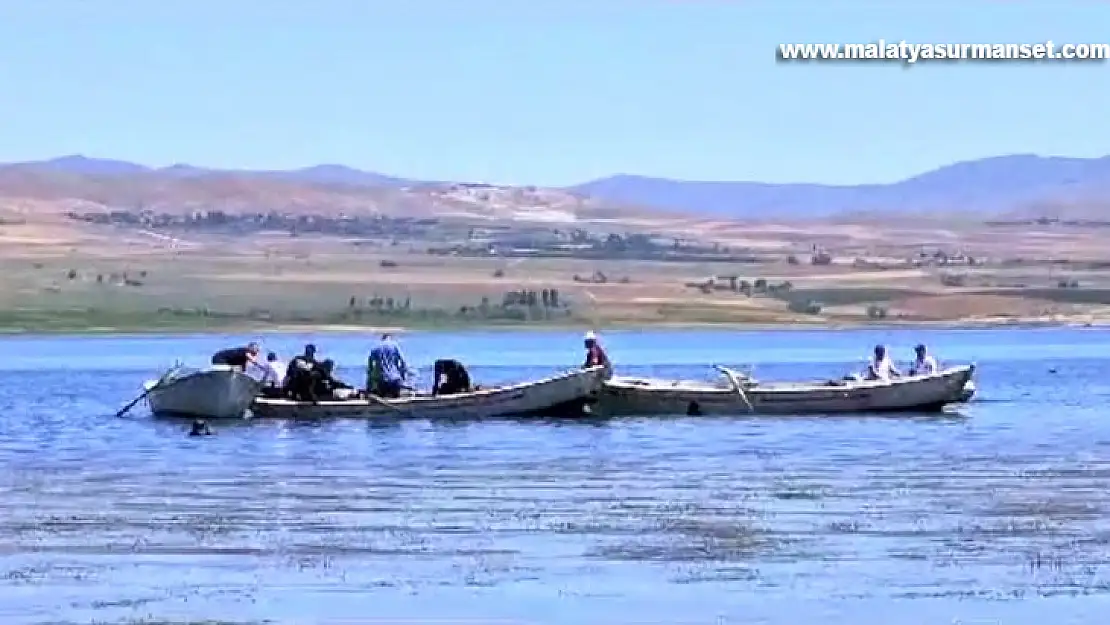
(325, 383)
(451, 377)
(386, 369)
(237, 356)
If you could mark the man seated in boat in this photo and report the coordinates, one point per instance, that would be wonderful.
(328, 387)
(881, 366)
(276, 368)
(923, 364)
(299, 376)
(273, 379)
(386, 369)
(451, 378)
(237, 356)
(595, 355)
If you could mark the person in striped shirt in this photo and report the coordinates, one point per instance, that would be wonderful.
(386, 369)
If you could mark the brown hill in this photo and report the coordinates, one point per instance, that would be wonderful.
(57, 192)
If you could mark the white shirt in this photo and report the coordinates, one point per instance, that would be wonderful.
(275, 373)
(925, 366)
(882, 368)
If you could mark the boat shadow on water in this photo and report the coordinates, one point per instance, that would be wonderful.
(945, 416)
(389, 422)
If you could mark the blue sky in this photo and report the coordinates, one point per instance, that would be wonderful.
(540, 91)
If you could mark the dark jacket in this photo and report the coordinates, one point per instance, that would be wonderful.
(451, 377)
(324, 381)
(235, 356)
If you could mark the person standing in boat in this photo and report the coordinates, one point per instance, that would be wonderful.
(595, 355)
(881, 366)
(923, 364)
(386, 369)
(237, 356)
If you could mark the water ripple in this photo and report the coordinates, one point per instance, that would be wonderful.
(127, 519)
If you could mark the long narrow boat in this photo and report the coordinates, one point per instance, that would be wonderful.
(928, 393)
(569, 390)
(218, 392)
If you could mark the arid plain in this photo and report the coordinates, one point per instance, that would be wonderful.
(166, 251)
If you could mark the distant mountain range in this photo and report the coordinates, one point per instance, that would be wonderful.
(77, 164)
(1026, 185)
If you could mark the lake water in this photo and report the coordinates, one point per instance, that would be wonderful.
(995, 514)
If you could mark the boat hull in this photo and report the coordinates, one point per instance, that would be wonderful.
(626, 396)
(215, 393)
(968, 393)
(566, 391)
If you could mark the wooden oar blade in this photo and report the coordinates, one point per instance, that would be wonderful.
(737, 385)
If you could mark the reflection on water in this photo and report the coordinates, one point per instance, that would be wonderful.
(998, 514)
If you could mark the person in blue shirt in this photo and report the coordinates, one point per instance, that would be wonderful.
(386, 369)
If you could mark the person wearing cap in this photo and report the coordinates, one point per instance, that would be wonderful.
(923, 364)
(299, 376)
(386, 369)
(595, 355)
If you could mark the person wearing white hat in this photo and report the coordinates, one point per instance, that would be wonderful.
(595, 355)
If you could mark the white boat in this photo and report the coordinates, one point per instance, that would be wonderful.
(218, 392)
(738, 395)
(569, 390)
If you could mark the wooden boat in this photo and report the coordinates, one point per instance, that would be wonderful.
(218, 392)
(737, 396)
(569, 390)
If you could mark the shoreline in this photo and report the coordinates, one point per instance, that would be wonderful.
(290, 329)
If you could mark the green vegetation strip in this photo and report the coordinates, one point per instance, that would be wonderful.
(99, 320)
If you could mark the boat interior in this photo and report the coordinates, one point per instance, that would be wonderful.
(724, 384)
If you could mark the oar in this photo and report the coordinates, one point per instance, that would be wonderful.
(731, 375)
(165, 376)
(382, 402)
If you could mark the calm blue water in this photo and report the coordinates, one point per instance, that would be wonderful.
(997, 514)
